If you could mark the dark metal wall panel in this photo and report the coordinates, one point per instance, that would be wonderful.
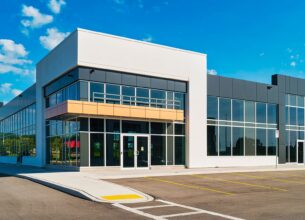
(25, 99)
(238, 89)
(158, 83)
(249, 91)
(180, 86)
(261, 92)
(130, 80)
(225, 87)
(287, 84)
(61, 82)
(213, 85)
(98, 75)
(301, 87)
(293, 84)
(143, 81)
(273, 94)
(112, 77)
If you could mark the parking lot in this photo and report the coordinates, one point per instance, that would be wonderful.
(257, 195)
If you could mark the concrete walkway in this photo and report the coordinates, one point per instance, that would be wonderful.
(117, 173)
(80, 184)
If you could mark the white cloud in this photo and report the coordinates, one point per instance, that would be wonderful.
(53, 38)
(12, 56)
(262, 54)
(34, 18)
(55, 5)
(149, 38)
(293, 64)
(5, 88)
(212, 72)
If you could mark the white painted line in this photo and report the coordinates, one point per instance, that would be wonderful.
(152, 207)
(202, 211)
(138, 212)
(181, 214)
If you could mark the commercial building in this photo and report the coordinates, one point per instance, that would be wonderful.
(106, 101)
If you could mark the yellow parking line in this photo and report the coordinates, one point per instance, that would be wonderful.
(243, 183)
(271, 178)
(190, 186)
(122, 197)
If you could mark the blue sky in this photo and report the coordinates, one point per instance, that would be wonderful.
(248, 39)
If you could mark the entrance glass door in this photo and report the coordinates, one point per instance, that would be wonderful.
(135, 153)
(301, 152)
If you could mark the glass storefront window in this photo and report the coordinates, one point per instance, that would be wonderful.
(292, 100)
(135, 127)
(249, 111)
(272, 142)
(301, 101)
(293, 115)
(224, 141)
(158, 150)
(212, 140)
(238, 141)
(96, 124)
(179, 150)
(261, 142)
(224, 109)
(272, 114)
(157, 128)
(113, 126)
(113, 149)
(179, 129)
(250, 141)
(260, 112)
(300, 117)
(238, 110)
(179, 100)
(212, 107)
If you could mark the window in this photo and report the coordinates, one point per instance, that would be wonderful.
(112, 94)
(97, 92)
(96, 124)
(272, 142)
(261, 142)
(135, 127)
(249, 111)
(158, 128)
(128, 95)
(301, 101)
(293, 146)
(179, 150)
(260, 112)
(238, 141)
(249, 141)
(179, 129)
(272, 114)
(238, 110)
(212, 107)
(158, 150)
(142, 97)
(179, 100)
(113, 149)
(97, 149)
(113, 126)
(157, 99)
(224, 109)
(212, 141)
(224, 140)
(300, 116)
(293, 115)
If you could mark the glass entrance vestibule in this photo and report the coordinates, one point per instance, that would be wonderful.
(105, 142)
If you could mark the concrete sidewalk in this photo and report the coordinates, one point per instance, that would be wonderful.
(117, 173)
(80, 184)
